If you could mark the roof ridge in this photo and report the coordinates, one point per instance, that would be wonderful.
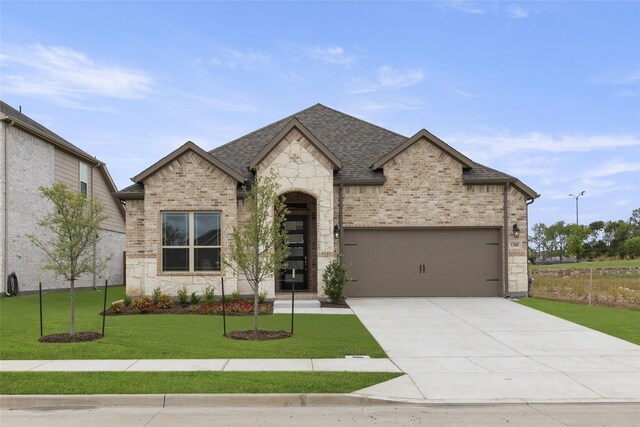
(288, 118)
(362, 120)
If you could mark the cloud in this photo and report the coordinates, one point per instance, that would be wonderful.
(464, 93)
(615, 167)
(68, 76)
(505, 144)
(231, 58)
(517, 12)
(389, 77)
(625, 79)
(332, 55)
(466, 7)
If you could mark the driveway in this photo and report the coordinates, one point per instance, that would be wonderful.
(495, 350)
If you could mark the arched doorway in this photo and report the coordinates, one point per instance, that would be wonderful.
(302, 228)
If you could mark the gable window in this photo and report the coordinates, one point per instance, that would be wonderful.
(84, 178)
(191, 241)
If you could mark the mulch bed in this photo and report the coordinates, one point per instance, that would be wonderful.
(184, 309)
(329, 304)
(77, 337)
(262, 335)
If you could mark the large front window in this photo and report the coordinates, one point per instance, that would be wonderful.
(191, 241)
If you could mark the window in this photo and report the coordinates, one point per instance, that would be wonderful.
(84, 178)
(191, 241)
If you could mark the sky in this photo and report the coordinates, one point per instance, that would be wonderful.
(548, 92)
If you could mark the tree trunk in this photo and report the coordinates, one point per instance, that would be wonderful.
(256, 309)
(73, 320)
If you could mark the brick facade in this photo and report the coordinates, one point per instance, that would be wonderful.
(30, 165)
(424, 188)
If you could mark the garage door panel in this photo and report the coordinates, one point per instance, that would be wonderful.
(457, 262)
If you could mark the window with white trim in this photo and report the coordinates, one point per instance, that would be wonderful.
(84, 178)
(191, 241)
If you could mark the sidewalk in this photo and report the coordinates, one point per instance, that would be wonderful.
(349, 364)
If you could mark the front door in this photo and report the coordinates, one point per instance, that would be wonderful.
(296, 227)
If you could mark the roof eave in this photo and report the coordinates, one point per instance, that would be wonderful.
(294, 123)
(528, 191)
(189, 145)
(464, 160)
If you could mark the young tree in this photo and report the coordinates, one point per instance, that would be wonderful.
(73, 234)
(259, 246)
(556, 236)
(539, 239)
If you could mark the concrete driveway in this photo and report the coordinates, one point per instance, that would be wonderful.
(495, 350)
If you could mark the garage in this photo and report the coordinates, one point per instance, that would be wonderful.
(452, 262)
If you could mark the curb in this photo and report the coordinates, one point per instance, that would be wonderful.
(49, 401)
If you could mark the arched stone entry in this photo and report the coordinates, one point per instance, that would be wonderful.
(302, 225)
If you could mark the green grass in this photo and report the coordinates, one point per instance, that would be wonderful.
(166, 336)
(624, 263)
(619, 322)
(187, 382)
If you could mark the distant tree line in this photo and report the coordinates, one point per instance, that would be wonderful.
(600, 239)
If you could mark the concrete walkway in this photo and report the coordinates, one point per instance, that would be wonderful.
(494, 350)
(219, 365)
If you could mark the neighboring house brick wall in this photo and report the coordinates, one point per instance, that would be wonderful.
(34, 163)
(189, 183)
(302, 167)
(424, 188)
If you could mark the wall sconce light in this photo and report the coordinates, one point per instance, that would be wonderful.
(336, 232)
(516, 231)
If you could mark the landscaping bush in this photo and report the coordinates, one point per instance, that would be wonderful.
(195, 299)
(235, 296)
(335, 278)
(127, 300)
(209, 297)
(117, 307)
(142, 304)
(182, 295)
(164, 301)
(156, 294)
(262, 297)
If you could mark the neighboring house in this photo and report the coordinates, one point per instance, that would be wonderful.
(412, 216)
(32, 156)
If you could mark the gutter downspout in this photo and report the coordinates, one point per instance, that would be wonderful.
(94, 245)
(527, 244)
(505, 237)
(340, 217)
(5, 256)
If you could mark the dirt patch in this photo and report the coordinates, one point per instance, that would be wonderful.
(329, 304)
(77, 337)
(261, 336)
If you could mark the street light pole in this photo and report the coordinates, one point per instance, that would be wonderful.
(577, 197)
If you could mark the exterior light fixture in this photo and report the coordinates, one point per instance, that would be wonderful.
(516, 231)
(336, 232)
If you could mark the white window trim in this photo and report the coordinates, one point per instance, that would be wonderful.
(80, 177)
(191, 225)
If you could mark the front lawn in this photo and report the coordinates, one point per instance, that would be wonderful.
(619, 322)
(187, 382)
(170, 336)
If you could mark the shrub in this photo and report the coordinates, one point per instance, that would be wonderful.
(235, 296)
(195, 299)
(209, 297)
(334, 278)
(262, 297)
(156, 294)
(127, 301)
(164, 301)
(182, 295)
(117, 307)
(142, 304)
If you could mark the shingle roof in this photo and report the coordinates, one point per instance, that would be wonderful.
(29, 122)
(355, 142)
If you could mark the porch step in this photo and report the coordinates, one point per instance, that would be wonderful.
(300, 303)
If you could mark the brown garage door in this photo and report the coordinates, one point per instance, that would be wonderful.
(423, 262)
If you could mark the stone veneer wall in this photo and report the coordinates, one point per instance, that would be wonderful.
(302, 167)
(424, 188)
(189, 183)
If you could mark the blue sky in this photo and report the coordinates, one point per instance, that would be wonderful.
(546, 91)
